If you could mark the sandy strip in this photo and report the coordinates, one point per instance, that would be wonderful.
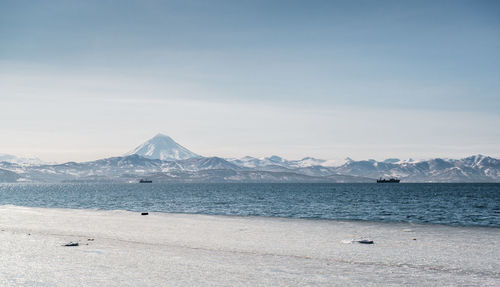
(199, 250)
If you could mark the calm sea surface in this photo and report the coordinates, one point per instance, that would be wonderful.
(450, 204)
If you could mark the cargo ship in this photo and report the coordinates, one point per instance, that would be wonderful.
(145, 181)
(390, 180)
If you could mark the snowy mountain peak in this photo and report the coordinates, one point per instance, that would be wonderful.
(275, 159)
(162, 147)
(20, 160)
(479, 158)
(392, 160)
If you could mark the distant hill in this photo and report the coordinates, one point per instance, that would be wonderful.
(8, 176)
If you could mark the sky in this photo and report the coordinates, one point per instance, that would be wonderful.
(82, 80)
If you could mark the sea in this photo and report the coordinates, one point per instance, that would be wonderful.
(463, 204)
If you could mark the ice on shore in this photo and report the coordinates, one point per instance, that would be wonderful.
(200, 250)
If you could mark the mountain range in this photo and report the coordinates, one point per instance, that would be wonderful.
(161, 159)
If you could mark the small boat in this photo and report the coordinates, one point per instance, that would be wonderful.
(390, 180)
(145, 181)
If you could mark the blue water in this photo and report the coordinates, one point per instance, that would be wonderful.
(449, 204)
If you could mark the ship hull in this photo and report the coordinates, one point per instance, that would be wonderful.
(388, 181)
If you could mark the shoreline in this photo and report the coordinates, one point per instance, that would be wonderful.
(262, 216)
(128, 249)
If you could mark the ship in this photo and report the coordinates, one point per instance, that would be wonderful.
(390, 180)
(145, 181)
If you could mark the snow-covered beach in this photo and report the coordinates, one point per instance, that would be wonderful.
(121, 248)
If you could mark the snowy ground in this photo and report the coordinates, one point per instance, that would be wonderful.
(198, 250)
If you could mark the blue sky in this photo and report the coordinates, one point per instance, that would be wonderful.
(365, 79)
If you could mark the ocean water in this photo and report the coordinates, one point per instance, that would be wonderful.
(448, 204)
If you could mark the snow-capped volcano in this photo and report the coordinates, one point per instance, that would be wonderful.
(162, 147)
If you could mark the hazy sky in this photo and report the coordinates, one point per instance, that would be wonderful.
(81, 80)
